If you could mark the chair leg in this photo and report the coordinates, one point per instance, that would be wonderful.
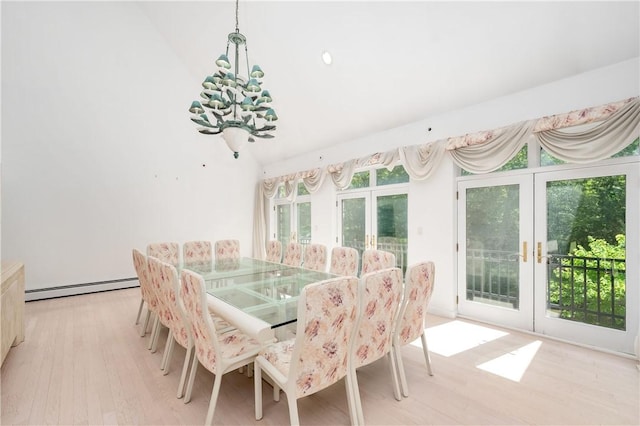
(293, 409)
(154, 331)
(143, 331)
(425, 349)
(168, 350)
(185, 368)
(257, 383)
(355, 398)
(139, 311)
(192, 376)
(350, 403)
(214, 399)
(403, 377)
(394, 375)
(154, 347)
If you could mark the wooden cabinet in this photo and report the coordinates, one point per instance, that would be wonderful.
(12, 305)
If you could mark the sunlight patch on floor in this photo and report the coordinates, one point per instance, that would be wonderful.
(514, 364)
(455, 337)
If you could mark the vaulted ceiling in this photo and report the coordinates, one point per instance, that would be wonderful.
(394, 62)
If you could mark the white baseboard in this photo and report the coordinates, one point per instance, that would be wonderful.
(74, 290)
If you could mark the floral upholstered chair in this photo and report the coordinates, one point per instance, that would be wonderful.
(166, 252)
(227, 250)
(315, 257)
(344, 261)
(217, 352)
(165, 278)
(419, 282)
(146, 292)
(319, 354)
(292, 254)
(197, 253)
(274, 251)
(379, 293)
(155, 283)
(375, 260)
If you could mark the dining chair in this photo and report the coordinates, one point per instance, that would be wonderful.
(166, 252)
(161, 308)
(147, 295)
(292, 254)
(274, 251)
(165, 278)
(315, 257)
(379, 293)
(375, 260)
(318, 356)
(197, 253)
(344, 261)
(217, 352)
(227, 249)
(419, 281)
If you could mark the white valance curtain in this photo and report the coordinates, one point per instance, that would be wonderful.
(611, 135)
(618, 125)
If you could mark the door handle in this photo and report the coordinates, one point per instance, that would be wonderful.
(524, 252)
(373, 242)
(539, 252)
(366, 241)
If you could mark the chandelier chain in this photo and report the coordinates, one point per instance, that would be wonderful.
(237, 26)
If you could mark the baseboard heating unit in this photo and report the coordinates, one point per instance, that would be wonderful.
(77, 289)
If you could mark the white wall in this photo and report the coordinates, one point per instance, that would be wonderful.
(432, 203)
(98, 152)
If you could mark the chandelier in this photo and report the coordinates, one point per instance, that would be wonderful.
(234, 105)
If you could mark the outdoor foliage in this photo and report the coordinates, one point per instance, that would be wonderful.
(589, 285)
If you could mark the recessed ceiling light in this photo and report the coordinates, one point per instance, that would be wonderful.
(326, 57)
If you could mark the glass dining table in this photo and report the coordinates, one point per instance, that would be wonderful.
(257, 296)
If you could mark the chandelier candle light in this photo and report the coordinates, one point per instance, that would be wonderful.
(233, 105)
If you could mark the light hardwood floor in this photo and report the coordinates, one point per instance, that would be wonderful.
(83, 362)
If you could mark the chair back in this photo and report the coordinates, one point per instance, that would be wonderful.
(375, 260)
(315, 257)
(227, 249)
(173, 316)
(156, 283)
(379, 294)
(344, 261)
(327, 313)
(418, 288)
(205, 338)
(197, 253)
(274, 251)
(292, 254)
(166, 252)
(142, 271)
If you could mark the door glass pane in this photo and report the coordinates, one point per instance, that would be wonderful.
(304, 223)
(302, 190)
(360, 180)
(283, 212)
(493, 234)
(353, 223)
(392, 226)
(386, 177)
(586, 250)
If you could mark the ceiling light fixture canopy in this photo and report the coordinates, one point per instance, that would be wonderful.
(234, 105)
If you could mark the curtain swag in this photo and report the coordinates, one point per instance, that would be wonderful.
(485, 151)
(617, 125)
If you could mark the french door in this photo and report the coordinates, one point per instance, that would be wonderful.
(553, 252)
(374, 219)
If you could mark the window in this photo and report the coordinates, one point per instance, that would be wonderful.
(292, 221)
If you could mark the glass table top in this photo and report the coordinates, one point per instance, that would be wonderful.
(265, 290)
